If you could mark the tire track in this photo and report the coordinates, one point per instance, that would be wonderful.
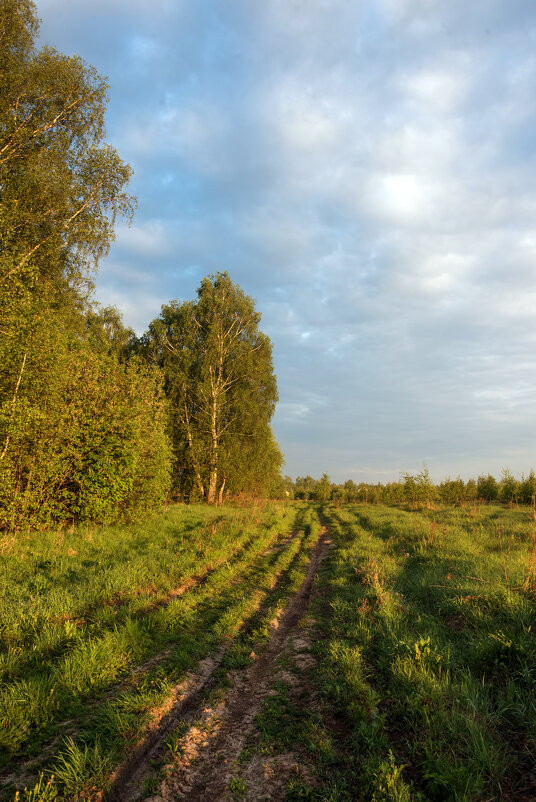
(203, 770)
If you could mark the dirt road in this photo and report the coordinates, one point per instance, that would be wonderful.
(215, 746)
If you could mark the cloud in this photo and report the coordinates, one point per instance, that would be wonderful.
(366, 171)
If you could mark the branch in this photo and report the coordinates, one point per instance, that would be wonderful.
(65, 225)
(13, 402)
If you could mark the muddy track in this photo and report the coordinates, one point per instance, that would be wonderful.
(205, 767)
(183, 697)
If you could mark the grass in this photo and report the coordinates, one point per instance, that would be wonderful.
(77, 620)
(428, 654)
(425, 677)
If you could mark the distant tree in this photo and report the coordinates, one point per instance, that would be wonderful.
(419, 488)
(509, 487)
(339, 495)
(221, 390)
(305, 487)
(452, 491)
(369, 493)
(289, 487)
(471, 491)
(351, 491)
(322, 491)
(527, 489)
(393, 493)
(487, 487)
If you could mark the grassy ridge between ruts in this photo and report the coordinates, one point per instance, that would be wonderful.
(81, 610)
(427, 659)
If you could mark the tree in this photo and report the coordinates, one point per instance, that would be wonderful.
(488, 489)
(452, 491)
(322, 491)
(221, 389)
(305, 487)
(87, 438)
(352, 491)
(81, 434)
(105, 330)
(419, 489)
(471, 491)
(61, 188)
(528, 489)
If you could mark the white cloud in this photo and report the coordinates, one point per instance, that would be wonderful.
(148, 239)
(439, 90)
(400, 198)
(367, 171)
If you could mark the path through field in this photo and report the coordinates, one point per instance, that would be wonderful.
(216, 741)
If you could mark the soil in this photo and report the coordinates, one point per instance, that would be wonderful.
(217, 752)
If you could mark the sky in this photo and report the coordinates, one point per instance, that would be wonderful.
(366, 171)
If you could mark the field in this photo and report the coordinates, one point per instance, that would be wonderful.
(277, 651)
(431, 653)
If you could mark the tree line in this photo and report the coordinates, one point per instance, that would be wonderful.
(95, 423)
(418, 490)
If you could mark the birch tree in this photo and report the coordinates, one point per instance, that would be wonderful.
(81, 435)
(61, 188)
(221, 388)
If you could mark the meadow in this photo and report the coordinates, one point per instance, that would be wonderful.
(423, 639)
(98, 625)
(427, 654)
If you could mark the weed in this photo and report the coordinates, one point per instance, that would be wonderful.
(174, 739)
(150, 785)
(43, 791)
(530, 579)
(237, 787)
(82, 768)
(388, 785)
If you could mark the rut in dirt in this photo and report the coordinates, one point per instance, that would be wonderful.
(204, 771)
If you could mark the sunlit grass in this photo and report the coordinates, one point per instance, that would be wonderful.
(70, 658)
(431, 649)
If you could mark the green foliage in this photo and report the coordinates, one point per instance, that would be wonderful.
(87, 439)
(322, 491)
(419, 488)
(82, 769)
(221, 389)
(45, 790)
(388, 783)
(305, 487)
(488, 489)
(82, 436)
(527, 490)
(351, 491)
(61, 185)
(452, 491)
(509, 488)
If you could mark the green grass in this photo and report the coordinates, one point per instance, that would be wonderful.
(426, 650)
(428, 654)
(81, 610)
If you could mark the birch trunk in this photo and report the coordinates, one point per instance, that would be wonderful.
(13, 405)
(220, 494)
(213, 475)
